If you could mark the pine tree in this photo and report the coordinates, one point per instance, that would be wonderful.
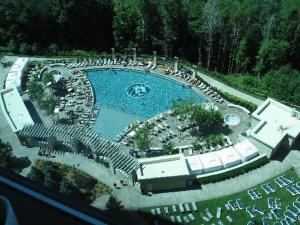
(113, 204)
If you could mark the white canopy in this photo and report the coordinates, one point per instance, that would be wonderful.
(229, 157)
(195, 164)
(246, 150)
(210, 162)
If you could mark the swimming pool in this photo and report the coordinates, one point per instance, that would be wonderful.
(231, 119)
(125, 96)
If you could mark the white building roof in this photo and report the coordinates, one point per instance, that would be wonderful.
(14, 76)
(246, 150)
(276, 121)
(195, 164)
(162, 167)
(19, 64)
(14, 109)
(229, 157)
(210, 162)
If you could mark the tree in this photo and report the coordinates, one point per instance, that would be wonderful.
(207, 120)
(67, 187)
(169, 147)
(211, 24)
(24, 48)
(142, 138)
(48, 104)
(196, 145)
(36, 90)
(47, 77)
(52, 177)
(195, 23)
(283, 84)
(7, 159)
(181, 107)
(113, 204)
(242, 60)
(272, 54)
(36, 175)
(53, 48)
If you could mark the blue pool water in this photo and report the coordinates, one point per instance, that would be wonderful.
(231, 119)
(125, 96)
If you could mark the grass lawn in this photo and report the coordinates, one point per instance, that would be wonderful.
(240, 217)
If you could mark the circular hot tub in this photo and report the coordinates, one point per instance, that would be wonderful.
(232, 119)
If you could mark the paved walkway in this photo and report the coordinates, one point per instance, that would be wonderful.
(223, 87)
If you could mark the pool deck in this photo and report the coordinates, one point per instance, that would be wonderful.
(188, 136)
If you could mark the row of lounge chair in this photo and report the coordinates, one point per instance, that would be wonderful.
(190, 209)
(181, 207)
(253, 210)
(200, 85)
(110, 62)
(268, 188)
(289, 216)
(274, 203)
(254, 194)
(234, 205)
(283, 181)
(294, 189)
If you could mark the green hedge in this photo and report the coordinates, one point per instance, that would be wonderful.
(238, 101)
(235, 171)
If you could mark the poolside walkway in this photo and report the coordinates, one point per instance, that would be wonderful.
(223, 87)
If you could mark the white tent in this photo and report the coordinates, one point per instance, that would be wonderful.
(229, 157)
(210, 162)
(246, 150)
(195, 164)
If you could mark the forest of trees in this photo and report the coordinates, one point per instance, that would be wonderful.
(225, 36)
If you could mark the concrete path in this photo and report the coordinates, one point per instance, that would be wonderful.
(225, 88)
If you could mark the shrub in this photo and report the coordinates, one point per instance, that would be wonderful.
(238, 101)
(24, 48)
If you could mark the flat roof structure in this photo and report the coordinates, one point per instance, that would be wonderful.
(20, 64)
(229, 157)
(195, 164)
(15, 74)
(210, 162)
(14, 109)
(246, 150)
(162, 167)
(276, 121)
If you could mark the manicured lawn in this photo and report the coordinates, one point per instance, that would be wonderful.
(239, 217)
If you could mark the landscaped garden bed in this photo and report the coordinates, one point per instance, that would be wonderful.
(68, 180)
